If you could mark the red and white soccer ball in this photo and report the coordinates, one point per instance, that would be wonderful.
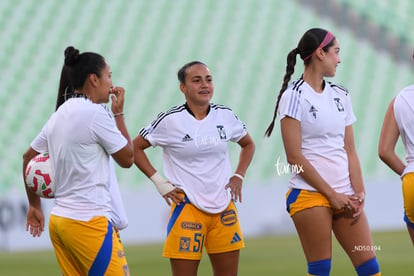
(39, 176)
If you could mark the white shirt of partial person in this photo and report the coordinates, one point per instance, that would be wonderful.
(404, 116)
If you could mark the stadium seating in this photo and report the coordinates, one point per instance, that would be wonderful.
(244, 42)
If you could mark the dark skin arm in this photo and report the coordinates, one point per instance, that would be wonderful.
(142, 162)
(388, 140)
(35, 221)
(355, 172)
(246, 156)
(125, 156)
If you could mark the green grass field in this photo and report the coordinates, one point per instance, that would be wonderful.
(273, 255)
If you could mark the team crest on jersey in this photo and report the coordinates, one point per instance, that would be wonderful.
(221, 131)
(314, 111)
(184, 244)
(339, 104)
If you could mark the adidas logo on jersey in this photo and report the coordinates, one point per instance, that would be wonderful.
(187, 138)
(236, 238)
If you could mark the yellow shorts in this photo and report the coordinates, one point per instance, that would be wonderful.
(189, 230)
(298, 200)
(87, 248)
(408, 195)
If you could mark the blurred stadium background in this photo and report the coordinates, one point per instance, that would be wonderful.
(245, 43)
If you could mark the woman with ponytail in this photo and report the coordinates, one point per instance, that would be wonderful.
(327, 194)
(83, 139)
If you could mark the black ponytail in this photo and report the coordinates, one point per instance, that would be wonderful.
(76, 69)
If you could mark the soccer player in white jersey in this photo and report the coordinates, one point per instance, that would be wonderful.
(327, 193)
(199, 182)
(82, 138)
(399, 122)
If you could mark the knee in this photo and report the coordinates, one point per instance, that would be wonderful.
(368, 268)
(320, 268)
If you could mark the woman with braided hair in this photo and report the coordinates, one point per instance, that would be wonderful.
(328, 193)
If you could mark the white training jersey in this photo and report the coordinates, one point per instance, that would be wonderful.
(80, 137)
(195, 152)
(118, 215)
(323, 118)
(404, 116)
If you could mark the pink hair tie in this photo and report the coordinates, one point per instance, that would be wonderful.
(328, 38)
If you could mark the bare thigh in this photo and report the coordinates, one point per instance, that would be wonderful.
(411, 232)
(355, 237)
(314, 227)
(181, 267)
(225, 264)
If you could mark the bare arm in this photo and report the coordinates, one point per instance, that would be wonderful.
(292, 140)
(355, 173)
(388, 140)
(35, 221)
(144, 165)
(140, 157)
(125, 156)
(246, 156)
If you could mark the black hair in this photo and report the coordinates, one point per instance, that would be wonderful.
(310, 41)
(76, 69)
(182, 73)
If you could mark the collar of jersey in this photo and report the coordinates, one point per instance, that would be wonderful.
(189, 110)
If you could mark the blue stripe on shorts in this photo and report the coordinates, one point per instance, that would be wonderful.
(293, 195)
(103, 258)
(176, 213)
(407, 220)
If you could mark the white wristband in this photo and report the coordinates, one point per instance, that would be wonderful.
(239, 176)
(163, 185)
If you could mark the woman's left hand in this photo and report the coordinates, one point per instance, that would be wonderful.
(358, 200)
(235, 186)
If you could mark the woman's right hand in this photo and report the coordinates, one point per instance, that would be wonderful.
(118, 98)
(344, 202)
(176, 196)
(35, 222)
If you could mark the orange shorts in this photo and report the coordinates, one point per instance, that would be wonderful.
(298, 200)
(190, 229)
(87, 247)
(408, 195)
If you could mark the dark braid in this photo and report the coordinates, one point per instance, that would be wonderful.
(307, 45)
(290, 69)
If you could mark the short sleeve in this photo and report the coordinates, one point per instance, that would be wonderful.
(39, 144)
(106, 133)
(350, 116)
(155, 133)
(238, 128)
(289, 105)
